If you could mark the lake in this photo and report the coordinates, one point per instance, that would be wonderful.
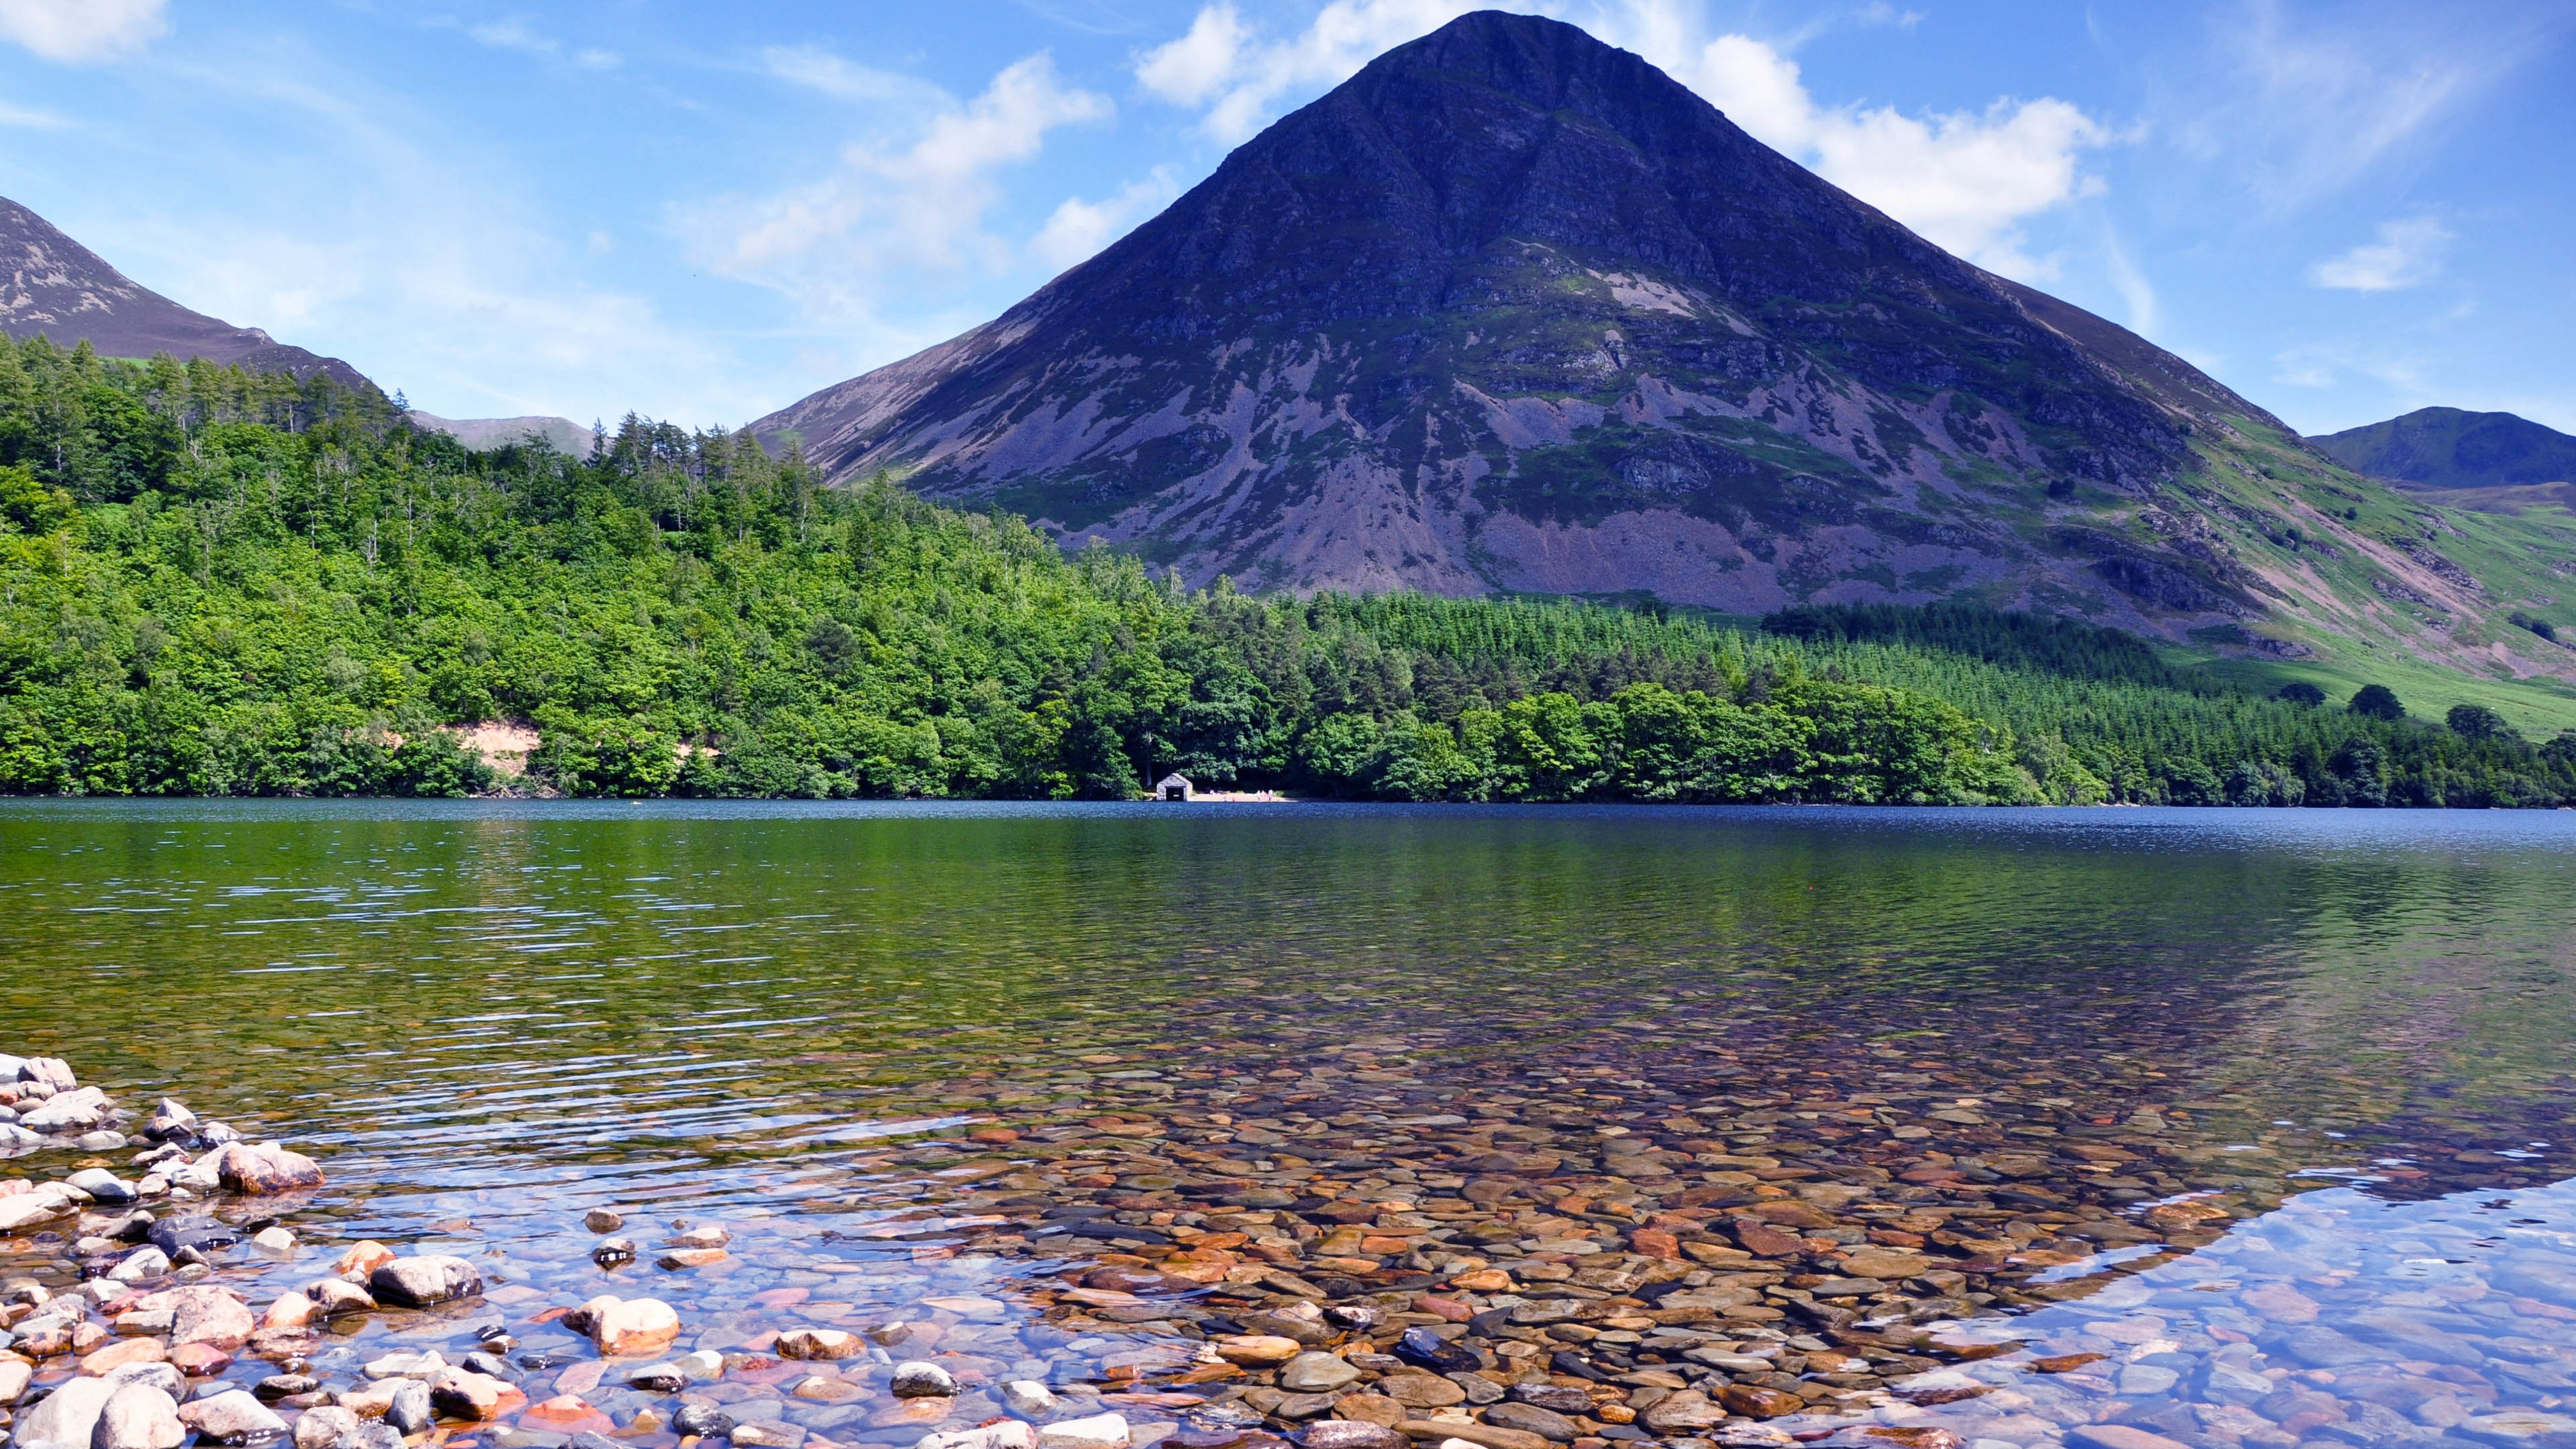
(1901, 1126)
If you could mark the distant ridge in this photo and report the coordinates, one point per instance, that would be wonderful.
(2452, 448)
(484, 434)
(53, 285)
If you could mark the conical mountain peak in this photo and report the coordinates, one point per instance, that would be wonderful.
(1513, 309)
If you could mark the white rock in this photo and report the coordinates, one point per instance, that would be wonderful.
(407, 1366)
(325, 1427)
(101, 1184)
(632, 1327)
(140, 1264)
(68, 1112)
(162, 1376)
(14, 1373)
(27, 1208)
(409, 1409)
(275, 1241)
(703, 1367)
(231, 1417)
(1100, 1431)
(68, 1415)
(922, 1381)
(1029, 1398)
(1009, 1434)
(138, 1416)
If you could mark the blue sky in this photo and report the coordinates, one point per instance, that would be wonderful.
(702, 212)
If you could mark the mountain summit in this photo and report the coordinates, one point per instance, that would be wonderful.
(53, 285)
(2449, 448)
(1514, 310)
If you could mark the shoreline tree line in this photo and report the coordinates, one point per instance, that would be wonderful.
(215, 582)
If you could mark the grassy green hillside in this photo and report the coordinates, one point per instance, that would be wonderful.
(217, 583)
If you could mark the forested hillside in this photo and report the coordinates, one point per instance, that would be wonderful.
(213, 582)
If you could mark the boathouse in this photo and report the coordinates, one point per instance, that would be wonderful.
(1175, 786)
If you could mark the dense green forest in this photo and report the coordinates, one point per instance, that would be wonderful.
(219, 583)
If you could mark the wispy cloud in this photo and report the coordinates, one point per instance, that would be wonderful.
(2407, 253)
(1965, 179)
(2298, 106)
(83, 30)
(419, 263)
(912, 206)
(516, 35)
(30, 120)
(2331, 364)
(817, 69)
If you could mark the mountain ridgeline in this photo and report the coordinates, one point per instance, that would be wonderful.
(2451, 448)
(1512, 310)
(51, 285)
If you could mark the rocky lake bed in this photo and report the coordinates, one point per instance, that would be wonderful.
(1352, 1211)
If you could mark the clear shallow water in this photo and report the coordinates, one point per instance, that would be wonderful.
(485, 1018)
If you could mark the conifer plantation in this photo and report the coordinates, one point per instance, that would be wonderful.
(219, 582)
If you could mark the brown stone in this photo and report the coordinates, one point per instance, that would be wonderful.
(200, 1360)
(1655, 1243)
(120, 1353)
(1421, 1391)
(1372, 1409)
(292, 1310)
(1681, 1414)
(819, 1343)
(1491, 1436)
(1756, 1402)
(265, 1169)
(1257, 1350)
(566, 1414)
(1765, 1241)
(474, 1396)
(1886, 1263)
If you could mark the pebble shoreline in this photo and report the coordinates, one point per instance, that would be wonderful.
(1324, 1258)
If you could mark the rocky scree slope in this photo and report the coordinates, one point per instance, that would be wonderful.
(53, 285)
(1513, 310)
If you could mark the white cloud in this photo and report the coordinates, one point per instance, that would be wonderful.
(515, 35)
(2407, 252)
(1079, 228)
(79, 30)
(1191, 70)
(1964, 179)
(1241, 78)
(818, 69)
(920, 207)
(26, 119)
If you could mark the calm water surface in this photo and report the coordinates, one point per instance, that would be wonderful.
(2358, 1028)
